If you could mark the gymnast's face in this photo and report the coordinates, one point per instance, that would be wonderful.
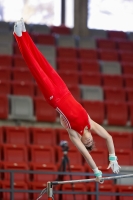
(87, 139)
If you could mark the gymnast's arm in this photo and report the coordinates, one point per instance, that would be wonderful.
(104, 134)
(74, 137)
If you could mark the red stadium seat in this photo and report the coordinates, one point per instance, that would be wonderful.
(69, 77)
(43, 136)
(106, 44)
(125, 189)
(114, 94)
(17, 135)
(89, 66)
(5, 73)
(76, 188)
(67, 64)
(42, 154)
(17, 195)
(90, 78)
(128, 81)
(44, 178)
(119, 35)
(23, 88)
(125, 156)
(101, 156)
(22, 74)
(129, 92)
(126, 56)
(127, 68)
(62, 30)
(43, 111)
(5, 61)
(18, 61)
(4, 107)
(75, 90)
(95, 109)
(5, 87)
(88, 54)
(74, 156)
(18, 176)
(103, 188)
(46, 39)
(108, 55)
(15, 153)
(65, 52)
(113, 81)
(122, 140)
(125, 45)
(117, 113)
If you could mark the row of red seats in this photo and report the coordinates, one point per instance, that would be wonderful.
(114, 44)
(47, 154)
(53, 136)
(23, 74)
(24, 88)
(90, 66)
(90, 54)
(23, 79)
(101, 54)
(110, 43)
(67, 187)
(63, 64)
(48, 115)
(116, 113)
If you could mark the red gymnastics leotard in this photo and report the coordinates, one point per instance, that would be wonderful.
(52, 86)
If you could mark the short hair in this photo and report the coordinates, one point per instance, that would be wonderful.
(90, 148)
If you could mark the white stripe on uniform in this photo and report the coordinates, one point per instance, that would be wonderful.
(64, 121)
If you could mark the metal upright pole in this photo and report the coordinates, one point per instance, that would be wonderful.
(49, 190)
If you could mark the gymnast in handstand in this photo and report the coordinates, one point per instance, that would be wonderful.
(73, 116)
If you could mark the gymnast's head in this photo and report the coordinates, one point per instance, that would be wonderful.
(87, 140)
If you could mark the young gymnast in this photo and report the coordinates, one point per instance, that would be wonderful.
(73, 116)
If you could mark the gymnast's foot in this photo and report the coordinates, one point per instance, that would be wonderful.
(18, 28)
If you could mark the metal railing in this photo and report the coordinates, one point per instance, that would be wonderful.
(12, 189)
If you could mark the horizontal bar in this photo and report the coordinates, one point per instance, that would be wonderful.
(91, 180)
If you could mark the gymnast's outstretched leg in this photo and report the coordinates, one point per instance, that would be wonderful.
(46, 67)
(40, 76)
(48, 80)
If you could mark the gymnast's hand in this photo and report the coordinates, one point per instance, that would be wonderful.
(113, 163)
(98, 175)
